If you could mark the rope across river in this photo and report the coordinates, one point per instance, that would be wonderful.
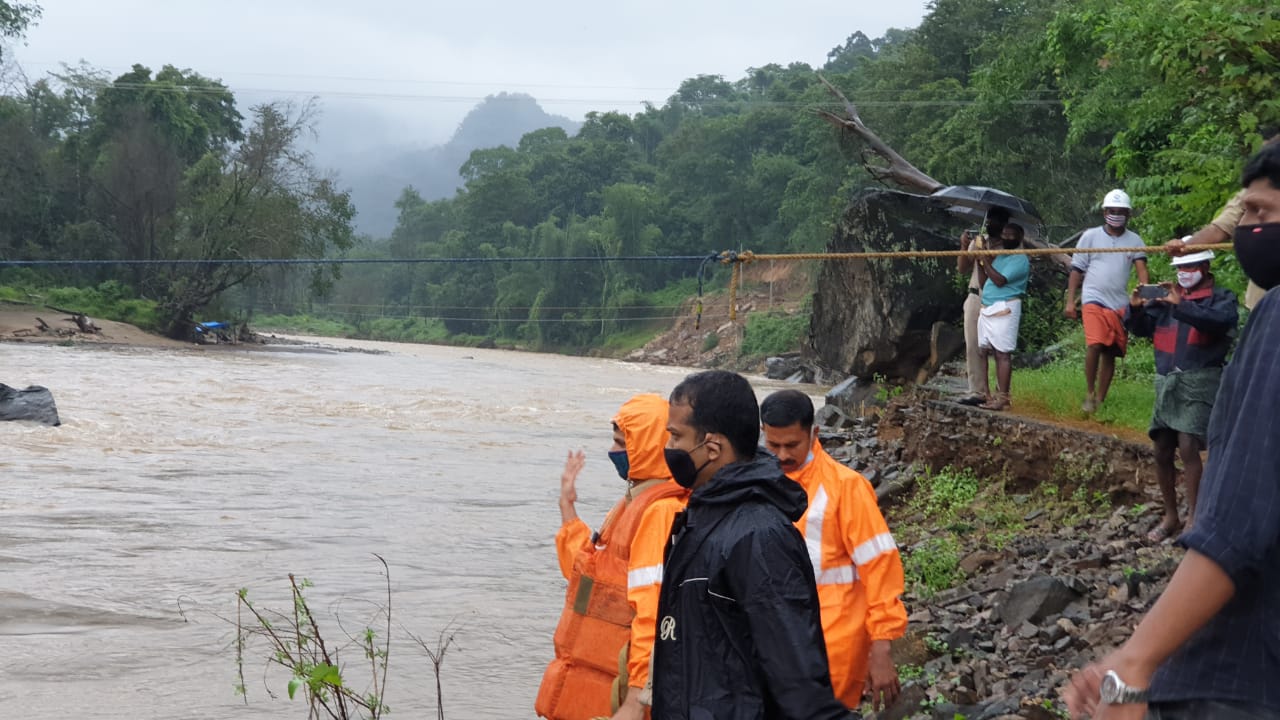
(736, 258)
(744, 257)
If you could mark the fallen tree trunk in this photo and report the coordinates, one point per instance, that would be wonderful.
(898, 170)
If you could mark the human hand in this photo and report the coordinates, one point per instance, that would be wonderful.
(1176, 247)
(629, 711)
(1069, 310)
(965, 239)
(1172, 298)
(882, 676)
(1136, 300)
(1083, 693)
(569, 477)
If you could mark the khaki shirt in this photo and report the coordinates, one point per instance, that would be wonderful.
(1227, 220)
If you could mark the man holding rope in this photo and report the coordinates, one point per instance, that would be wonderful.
(1105, 293)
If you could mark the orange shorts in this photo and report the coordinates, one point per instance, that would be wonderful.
(1104, 326)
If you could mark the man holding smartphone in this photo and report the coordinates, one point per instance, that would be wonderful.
(1191, 325)
(1104, 294)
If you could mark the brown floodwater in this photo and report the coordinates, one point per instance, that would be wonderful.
(180, 476)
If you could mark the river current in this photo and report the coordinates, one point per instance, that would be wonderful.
(181, 476)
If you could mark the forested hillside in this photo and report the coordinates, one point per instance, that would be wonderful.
(1054, 100)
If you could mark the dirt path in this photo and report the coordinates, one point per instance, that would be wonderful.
(19, 323)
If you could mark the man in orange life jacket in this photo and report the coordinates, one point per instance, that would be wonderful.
(855, 559)
(605, 635)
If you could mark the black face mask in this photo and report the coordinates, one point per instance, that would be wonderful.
(1258, 251)
(680, 463)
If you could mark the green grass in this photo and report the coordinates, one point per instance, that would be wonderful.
(773, 333)
(109, 300)
(1059, 388)
(624, 341)
(302, 325)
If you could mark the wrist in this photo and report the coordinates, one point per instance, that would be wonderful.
(1134, 669)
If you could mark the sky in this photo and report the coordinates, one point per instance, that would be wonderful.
(406, 72)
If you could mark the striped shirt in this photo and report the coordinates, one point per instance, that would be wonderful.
(1236, 656)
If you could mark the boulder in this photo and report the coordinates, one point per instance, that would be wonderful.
(877, 317)
(782, 366)
(34, 403)
(1035, 599)
(854, 395)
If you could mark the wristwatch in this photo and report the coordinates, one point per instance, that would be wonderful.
(1115, 692)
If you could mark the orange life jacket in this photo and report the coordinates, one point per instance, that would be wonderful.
(596, 622)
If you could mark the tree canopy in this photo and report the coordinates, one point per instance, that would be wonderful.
(1054, 100)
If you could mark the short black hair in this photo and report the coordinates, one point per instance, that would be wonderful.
(722, 402)
(1265, 164)
(1017, 230)
(786, 408)
(998, 215)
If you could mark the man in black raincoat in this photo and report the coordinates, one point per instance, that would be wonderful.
(739, 633)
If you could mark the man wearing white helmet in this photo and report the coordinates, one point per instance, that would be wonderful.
(1105, 293)
(1191, 326)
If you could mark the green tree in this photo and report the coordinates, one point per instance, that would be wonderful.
(15, 19)
(1178, 91)
(263, 200)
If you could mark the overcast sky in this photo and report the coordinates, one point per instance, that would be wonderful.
(411, 69)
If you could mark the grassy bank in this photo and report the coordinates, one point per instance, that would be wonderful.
(1057, 389)
(108, 301)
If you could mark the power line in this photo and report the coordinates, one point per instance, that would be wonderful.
(346, 261)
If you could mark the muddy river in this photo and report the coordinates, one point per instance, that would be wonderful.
(180, 476)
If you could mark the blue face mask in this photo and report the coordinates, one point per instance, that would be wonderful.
(621, 462)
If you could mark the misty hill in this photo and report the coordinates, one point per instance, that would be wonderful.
(378, 176)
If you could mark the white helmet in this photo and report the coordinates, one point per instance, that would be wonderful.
(1117, 199)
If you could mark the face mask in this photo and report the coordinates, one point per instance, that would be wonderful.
(1189, 279)
(621, 462)
(680, 463)
(1258, 252)
(1116, 220)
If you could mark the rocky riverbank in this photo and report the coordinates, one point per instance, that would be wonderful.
(1012, 584)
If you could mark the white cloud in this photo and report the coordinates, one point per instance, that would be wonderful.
(419, 66)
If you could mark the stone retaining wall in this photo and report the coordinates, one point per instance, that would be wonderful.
(1028, 452)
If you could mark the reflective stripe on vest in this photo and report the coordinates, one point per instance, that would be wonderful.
(863, 554)
(644, 577)
(874, 548)
(838, 575)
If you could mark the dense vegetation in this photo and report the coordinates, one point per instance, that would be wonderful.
(1055, 100)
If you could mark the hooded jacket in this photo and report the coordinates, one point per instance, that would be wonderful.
(739, 630)
(857, 565)
(614, 575)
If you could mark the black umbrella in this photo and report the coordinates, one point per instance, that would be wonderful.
(984, 198)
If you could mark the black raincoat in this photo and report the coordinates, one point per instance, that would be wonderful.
(739, 635)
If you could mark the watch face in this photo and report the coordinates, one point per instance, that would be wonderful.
(1110, 691)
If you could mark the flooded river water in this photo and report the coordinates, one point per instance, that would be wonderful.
(180, 476)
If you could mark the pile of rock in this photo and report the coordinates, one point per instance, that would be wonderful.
(855, 441)
(1003, 643)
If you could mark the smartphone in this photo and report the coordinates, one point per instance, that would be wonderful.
(1151, 292)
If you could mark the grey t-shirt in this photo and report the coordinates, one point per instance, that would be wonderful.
(1106, 275)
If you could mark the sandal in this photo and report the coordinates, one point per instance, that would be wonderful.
(998, 402)
(1161, 534)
